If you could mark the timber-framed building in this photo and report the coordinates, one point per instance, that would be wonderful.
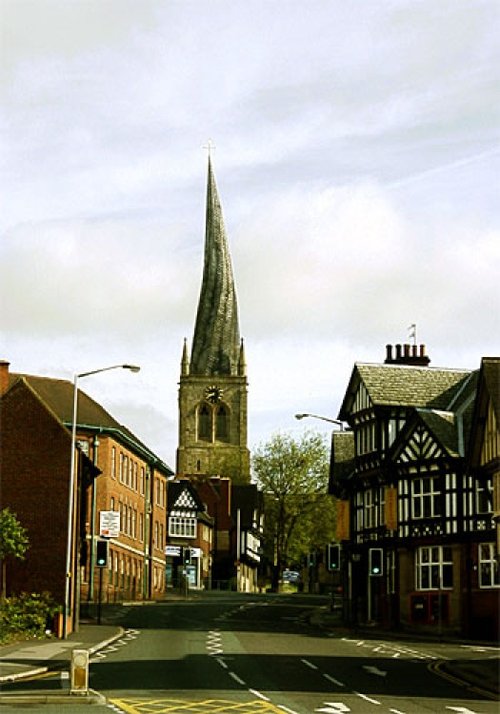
(416, 522)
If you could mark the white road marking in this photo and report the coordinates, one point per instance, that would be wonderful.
(368, 699)
(237, 679)
(375, 670)
(259, 694)
(308, 664)
(333, 680)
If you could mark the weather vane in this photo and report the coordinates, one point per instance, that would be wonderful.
(412, 333)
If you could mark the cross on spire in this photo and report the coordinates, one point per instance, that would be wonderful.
(209, 146)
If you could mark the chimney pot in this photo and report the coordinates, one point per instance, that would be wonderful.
(388, 350)
(398, 352)
(407, 350)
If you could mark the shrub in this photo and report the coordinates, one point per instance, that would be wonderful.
(27, 615)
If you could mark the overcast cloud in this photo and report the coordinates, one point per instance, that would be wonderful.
(357, 158)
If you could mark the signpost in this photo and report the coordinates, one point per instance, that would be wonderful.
(109, 527)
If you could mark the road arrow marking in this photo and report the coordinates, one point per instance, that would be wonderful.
(334, 708)
(375, 670)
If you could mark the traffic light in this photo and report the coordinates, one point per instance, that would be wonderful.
(333, 556)
(375, 561)
(187, 555)
(102, 553)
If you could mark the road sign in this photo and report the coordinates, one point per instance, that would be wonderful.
(109, 524)
(173, 550)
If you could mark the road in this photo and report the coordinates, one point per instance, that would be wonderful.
(257, 654)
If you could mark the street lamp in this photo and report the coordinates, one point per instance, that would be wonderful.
(315, 416)
(69, 543)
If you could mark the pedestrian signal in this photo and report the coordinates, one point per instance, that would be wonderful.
(333, 556)
(102, 551)
(375, 561)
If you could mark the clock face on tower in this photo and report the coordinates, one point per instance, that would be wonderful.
(213, 394)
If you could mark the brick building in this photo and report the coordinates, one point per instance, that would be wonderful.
(118, 473)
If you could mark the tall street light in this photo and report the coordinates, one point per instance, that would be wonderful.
(69, 543)
(315, 416)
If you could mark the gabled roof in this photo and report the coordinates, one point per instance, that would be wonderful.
(57, 395)
(341, 460)
(488, 398)
(403, 385)
(490, 367)
(246, 498)
(90, 470)
(427, 435)
(183, 496)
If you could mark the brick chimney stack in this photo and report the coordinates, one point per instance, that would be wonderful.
(414, 355)
(4, 376)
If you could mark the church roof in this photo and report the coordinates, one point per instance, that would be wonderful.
(216, 341)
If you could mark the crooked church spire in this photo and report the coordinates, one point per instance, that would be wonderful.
(216, 341)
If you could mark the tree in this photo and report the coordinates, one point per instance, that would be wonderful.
(299, 513)
(13, 541)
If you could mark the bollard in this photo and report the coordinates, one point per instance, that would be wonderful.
(79, 672)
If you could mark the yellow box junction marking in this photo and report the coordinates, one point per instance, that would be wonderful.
(179, 706)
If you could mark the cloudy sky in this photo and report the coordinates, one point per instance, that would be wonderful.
(357, 158)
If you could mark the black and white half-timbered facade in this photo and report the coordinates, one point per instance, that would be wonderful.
(189, 537)
(417, 524)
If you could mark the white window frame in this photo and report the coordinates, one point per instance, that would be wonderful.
(489, 572)
(434, 568)
(427, 497)
(182, 526)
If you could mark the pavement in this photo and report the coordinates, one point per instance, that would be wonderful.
(34, 659)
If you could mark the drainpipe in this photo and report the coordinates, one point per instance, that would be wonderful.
(147, 516)
(90, 594)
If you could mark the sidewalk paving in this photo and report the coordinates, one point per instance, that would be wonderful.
(34, 658)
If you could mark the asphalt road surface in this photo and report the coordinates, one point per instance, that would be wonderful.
(256, 654)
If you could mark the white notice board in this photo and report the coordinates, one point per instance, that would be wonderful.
(109, 524)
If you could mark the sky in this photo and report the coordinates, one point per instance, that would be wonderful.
(357, 156)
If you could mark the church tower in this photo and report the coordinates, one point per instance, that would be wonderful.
(213, 384)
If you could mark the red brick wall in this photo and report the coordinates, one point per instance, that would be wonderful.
(34, 485)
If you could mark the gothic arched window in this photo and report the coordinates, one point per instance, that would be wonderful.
(205, 423)
(222, 423)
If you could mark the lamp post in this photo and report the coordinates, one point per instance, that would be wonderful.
(69, 542)
(315, 416)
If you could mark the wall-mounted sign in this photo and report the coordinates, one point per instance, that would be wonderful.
(174, 551)
(343, 518)
(109, 524)
(391, 508)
